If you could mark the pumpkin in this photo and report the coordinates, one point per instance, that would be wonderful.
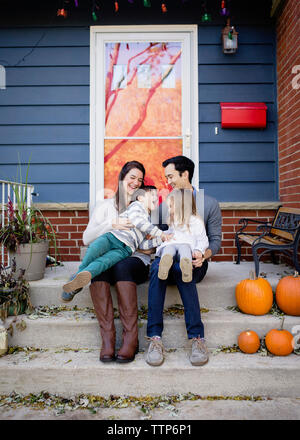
(288, 294)
(254, 296)
(248, 341)
(279, 341)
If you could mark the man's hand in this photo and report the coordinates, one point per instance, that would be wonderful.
(166, 237)
(122, 223)
(198, 258)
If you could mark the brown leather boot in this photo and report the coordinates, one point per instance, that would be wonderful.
(127, 302)
(101, 297)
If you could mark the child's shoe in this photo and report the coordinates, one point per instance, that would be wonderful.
(68, 296)
(186, 267)
(81, 279)
(165, 264)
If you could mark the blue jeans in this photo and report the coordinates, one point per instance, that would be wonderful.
(189, 297)
(103, 253)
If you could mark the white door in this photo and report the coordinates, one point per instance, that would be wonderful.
(143, 102)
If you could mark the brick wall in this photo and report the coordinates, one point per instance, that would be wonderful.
(288, 56)
(71, 224)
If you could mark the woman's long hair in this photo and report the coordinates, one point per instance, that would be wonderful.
(120, 197)
(184, 205)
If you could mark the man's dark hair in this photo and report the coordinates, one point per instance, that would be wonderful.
(181, 164)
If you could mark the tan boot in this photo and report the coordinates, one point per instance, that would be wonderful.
(127, 302)
(101, 297)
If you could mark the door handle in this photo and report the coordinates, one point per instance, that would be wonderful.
(188, 139)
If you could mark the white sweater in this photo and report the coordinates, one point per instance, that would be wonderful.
(195, 236)
(101, 220)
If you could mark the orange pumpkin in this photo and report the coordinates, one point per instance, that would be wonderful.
(279, 342)
(254, 296)
(288, 294)
(248, 341)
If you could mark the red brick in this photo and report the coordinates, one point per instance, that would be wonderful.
(227, 213)
(67, 214)
(70, 258)
(62, 235)
(49, 213)
(67, 243)
(80, 221)
(83, 213)
(66, 228)
(75, 251)
(60, 221)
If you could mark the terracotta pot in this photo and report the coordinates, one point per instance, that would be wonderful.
(32, 258)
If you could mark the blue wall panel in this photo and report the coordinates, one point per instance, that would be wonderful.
(237, 164)
(44, 112)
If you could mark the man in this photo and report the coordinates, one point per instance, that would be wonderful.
(179, 172)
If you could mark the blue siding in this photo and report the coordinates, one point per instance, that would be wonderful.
(237, 164)
(44, 112)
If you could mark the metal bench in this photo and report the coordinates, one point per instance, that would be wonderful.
(282, 235)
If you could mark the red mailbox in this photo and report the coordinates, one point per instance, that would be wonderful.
(243, 114)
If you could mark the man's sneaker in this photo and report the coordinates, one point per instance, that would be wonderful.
(68, 296)
(186, 267)
(199, 354)
(155, 354)
(165, 264)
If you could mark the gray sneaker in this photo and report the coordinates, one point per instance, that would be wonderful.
(155, 354)
(199, 355)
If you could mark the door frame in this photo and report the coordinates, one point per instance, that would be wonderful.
(97, 108)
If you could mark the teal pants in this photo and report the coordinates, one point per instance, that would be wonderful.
(103, 253)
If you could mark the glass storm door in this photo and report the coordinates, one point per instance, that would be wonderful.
(142, 108)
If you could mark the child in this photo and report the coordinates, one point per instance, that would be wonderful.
(116, 245)
(189, 234)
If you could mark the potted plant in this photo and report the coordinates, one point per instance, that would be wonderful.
(26, 235)
(14, 292)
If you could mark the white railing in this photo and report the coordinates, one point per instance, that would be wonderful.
(9, 191)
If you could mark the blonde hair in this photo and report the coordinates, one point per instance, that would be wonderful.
(184, 207)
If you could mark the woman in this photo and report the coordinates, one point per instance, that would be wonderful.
(125, 275)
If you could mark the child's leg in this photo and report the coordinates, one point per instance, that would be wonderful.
(185, 257)
(98, 247)
(167, 254)
(97, 266)
(107, 260)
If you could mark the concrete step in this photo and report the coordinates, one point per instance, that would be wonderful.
(69, 373)
(216, 290)
(215, 408)
(80, 329)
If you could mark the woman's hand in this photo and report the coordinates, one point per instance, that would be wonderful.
(122, 223)
(147, 251)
